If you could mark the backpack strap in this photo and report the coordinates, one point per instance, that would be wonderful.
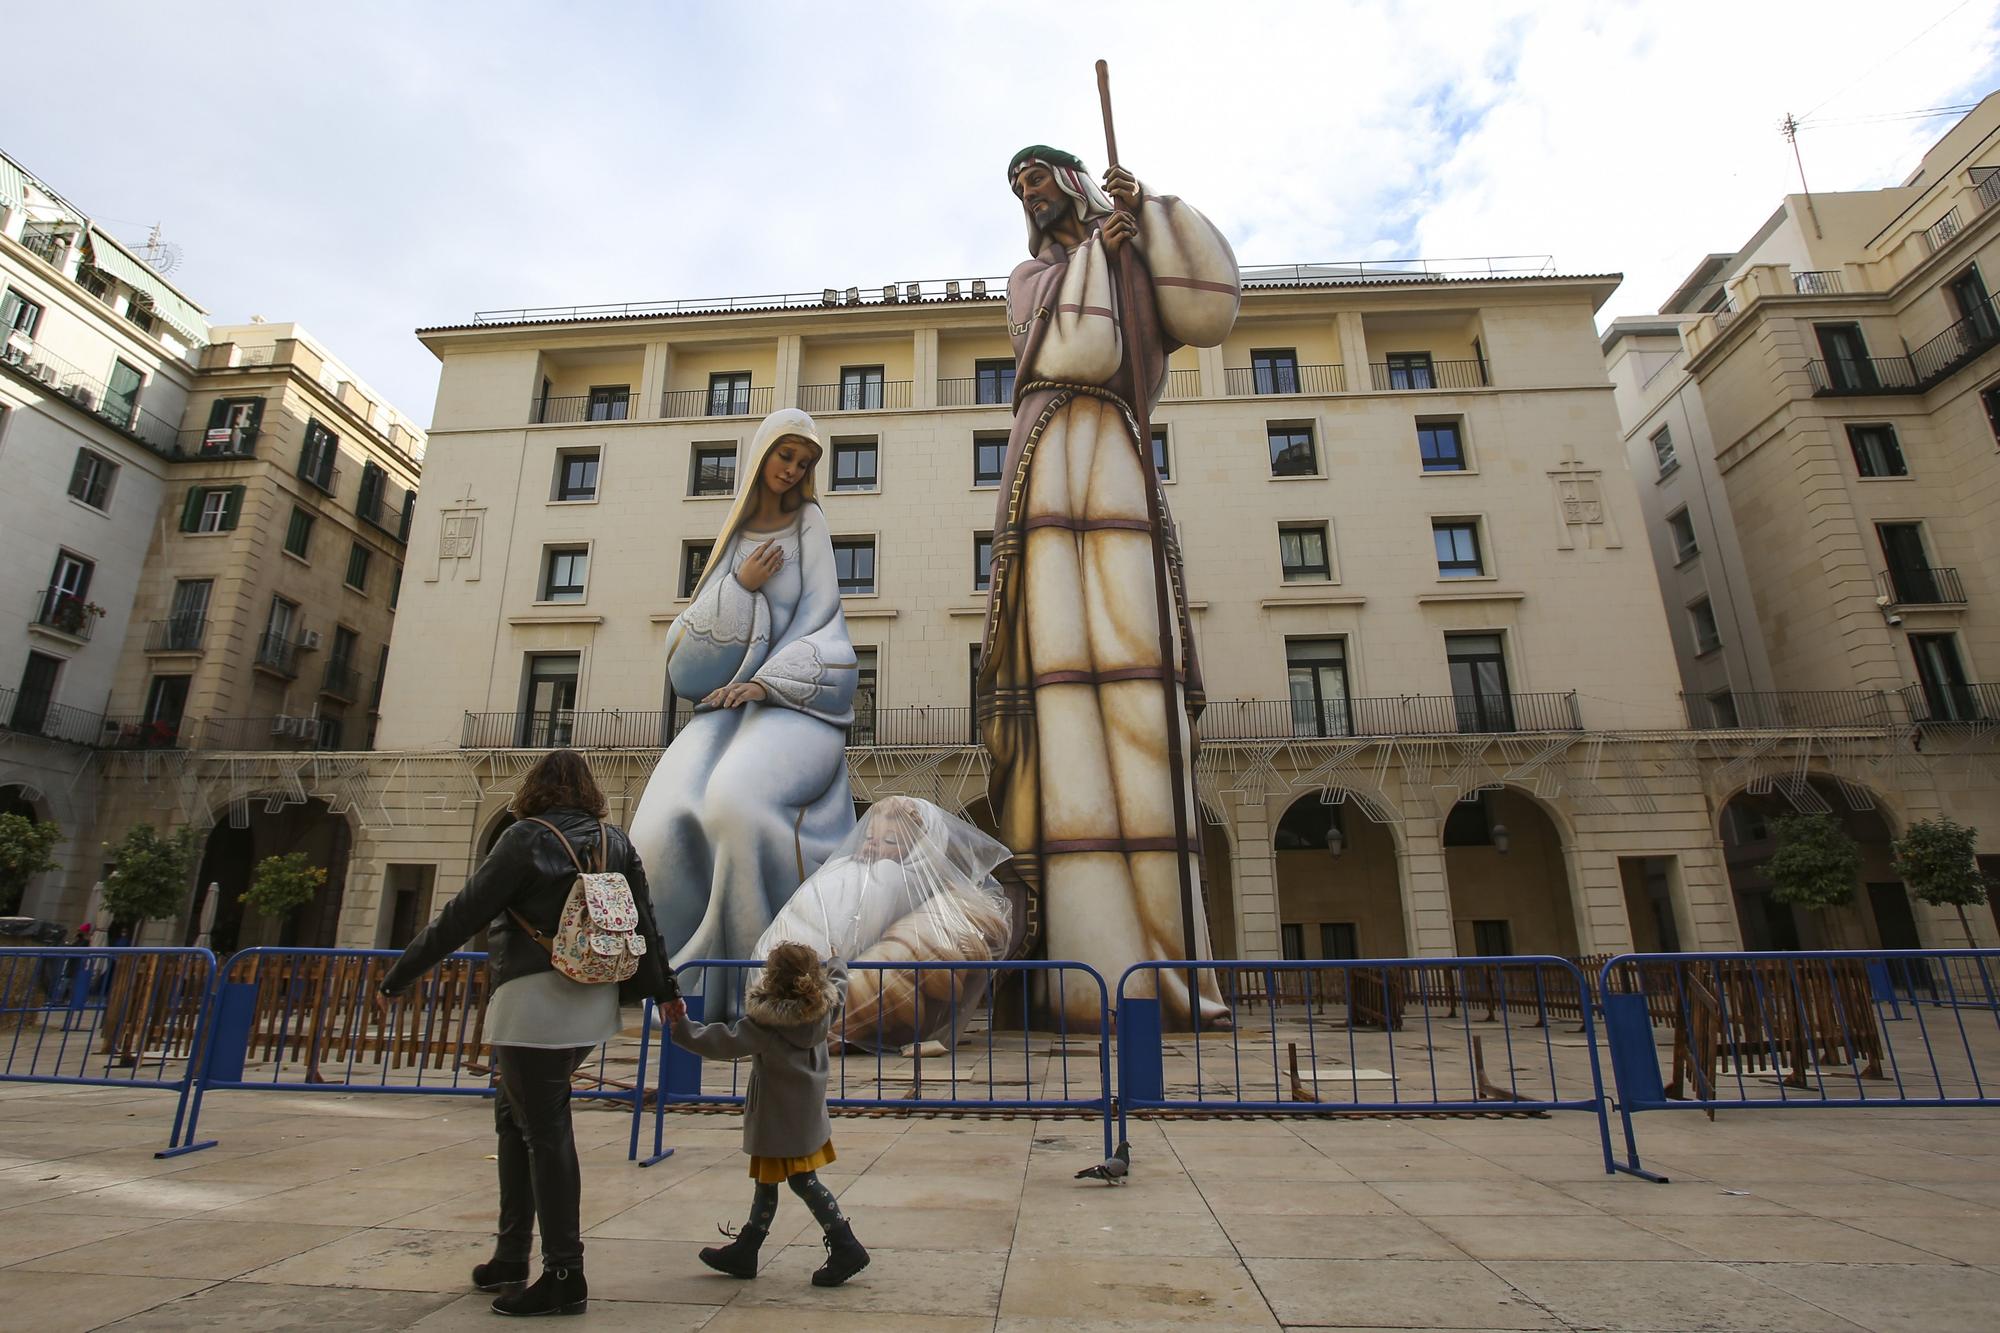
(538, 936)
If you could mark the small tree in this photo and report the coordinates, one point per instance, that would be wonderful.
(1939, 865)
(152, 875)
(283, 884)
(1816, 863)
(25, 847)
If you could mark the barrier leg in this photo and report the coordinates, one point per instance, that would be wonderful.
(639, 1080)
(680, 1071)
(230, 1013)
(1636, 1072)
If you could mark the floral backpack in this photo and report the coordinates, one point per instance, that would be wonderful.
(597, 939)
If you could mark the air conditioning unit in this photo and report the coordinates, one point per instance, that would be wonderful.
(309, 639)
(14, 354)
(44, 372)
(284, 726)
(308, 728)
(81, 395)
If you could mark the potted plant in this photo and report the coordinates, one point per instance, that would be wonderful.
(282, 884)
(151, 878)
(1938, 861)
(70, 613)
(1815, 865)
(25, 852)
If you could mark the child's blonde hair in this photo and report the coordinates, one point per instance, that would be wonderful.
(791, 973)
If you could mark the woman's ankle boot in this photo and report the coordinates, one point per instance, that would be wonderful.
(557, 1291)
(498, 1274)
(739, 1257)
(844, 1257)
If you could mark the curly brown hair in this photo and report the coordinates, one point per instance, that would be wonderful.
(560, 780)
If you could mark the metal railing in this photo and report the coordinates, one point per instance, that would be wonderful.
(679, 404)
(342, 681)
(38, 715)
(64, 612)
(1988, 179)
(576, 729)
(90, 394)
(1818, 282)
(1256, 380)
(220, 442)
(177, 634)
(277, 653)
(891, 727)
(1939, 703)
(962, 391)
(878, 396)
(1790, 710)
(1870, 374)
(1431, 375)
(1407, 715)
(1181, 384)
(47, 243)
(281, 731)
(573, 408)
(1921, 585)
(136, 732)
(1939, 233)
(1959, 343)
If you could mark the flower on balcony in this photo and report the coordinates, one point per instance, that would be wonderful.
(69, 613)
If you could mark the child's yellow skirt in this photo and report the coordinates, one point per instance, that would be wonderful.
(777, 1170)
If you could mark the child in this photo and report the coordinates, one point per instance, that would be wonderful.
(786, 1129)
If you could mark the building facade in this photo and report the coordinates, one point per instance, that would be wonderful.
(1814, 425)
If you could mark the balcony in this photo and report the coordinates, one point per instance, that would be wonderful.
(973, 391)
(53, 375)
(278, 655)
(281, 732)
(681, 404)
(38, 715)
(341, 681)
(1789, 710)
(137, 733)
(219, 442)
(1407, 715)
(1988, 179)
(874, 397)
(1249, 381)
(1818, 282)
(1937, 703)
(1433, 375)
(574, 408)
(1863, 375)
(1922, 585)
(177, 634)
(910, 727)
(1958, 344)
(1181, 384)
(1939, 233)
(65, 613)
(577, 729)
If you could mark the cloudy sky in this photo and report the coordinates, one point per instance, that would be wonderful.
(366, 169)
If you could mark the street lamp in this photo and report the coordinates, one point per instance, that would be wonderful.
(1336, 841)
(1502, 840)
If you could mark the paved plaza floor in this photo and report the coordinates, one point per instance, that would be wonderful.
(340, 1212)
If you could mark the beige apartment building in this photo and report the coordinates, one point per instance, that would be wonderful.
(1812, 424)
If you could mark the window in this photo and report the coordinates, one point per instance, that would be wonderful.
(1161, 463)
(729, 393)
(1722, 710)
(276, 649)
(211, 508)
(36, 694)
(854, 564)
(368, 501)
(298, 537)
(1302, 551)
(982, 561)
(331, 727)
(694, 560)
(609, 402)
(121, 398)
(1292, 451)
(232, 427)
(1847, 365)
(139, 313)
(90, 479)
(1876, 452)
(993, 381)
(1316, 679)
(1492, 939)
(65, 605)
(564, 572)
(1975, 307)
(1339, 939)
(1941, 676)
(1681, 528)
(860, 388)
(316, 460)
(1275, 370)
(1470, 822)
(576, 474)
(989, 453)
(189, 617)
(1663, 451)
(345, 642)
(1457, 543)
(1707, 637)
(357, 567)
(1989, 398)
(1441, 444)
(1914, 581)
(18, 315)
(714, 470)
(166, 702)
(549, 697)
(1292, 940)
(854, 465)
(1411, 370)
(1479, 682)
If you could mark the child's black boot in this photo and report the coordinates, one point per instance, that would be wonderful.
(844, 1256)
(739, 1257)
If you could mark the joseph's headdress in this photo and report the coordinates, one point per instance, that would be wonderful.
(1067, 168)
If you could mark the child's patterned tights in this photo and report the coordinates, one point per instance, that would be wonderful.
(807, 1185)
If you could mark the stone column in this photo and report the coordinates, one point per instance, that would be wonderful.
(1426, 892)
(924, 369)
(1256, 871)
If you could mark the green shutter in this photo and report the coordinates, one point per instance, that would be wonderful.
(191, 510)
(232, 508)
(215, 413)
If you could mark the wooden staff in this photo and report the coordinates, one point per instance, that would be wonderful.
(1123, 274)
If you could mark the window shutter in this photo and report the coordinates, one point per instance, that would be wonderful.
(216, 411)
(256, 413)
(409, 513)
(232, 508)
(191, 510)
(76, 474)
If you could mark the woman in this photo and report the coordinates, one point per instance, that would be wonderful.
(541, 1024)
(752, 795)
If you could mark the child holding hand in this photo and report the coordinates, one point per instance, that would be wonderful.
(786, 1129)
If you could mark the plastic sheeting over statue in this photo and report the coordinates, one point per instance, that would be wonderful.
(911, 884)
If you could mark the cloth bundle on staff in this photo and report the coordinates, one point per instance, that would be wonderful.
(911, 884)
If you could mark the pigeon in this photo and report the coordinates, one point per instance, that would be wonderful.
(1112, 1169)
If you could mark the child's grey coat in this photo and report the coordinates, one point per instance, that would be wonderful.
(784, 1111)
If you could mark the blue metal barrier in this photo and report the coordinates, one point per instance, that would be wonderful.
(305, 1020)
(998, 1059)
(1843, 1028)
(115, 1017)
(1377, 1036)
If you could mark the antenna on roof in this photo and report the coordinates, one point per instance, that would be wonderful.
(163, 255)
(1789, 127)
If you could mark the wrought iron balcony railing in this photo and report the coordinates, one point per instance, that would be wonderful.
(1934, 703)
(572, 408)
(1863, 374)
(136, 733)
(1251, 380)
(1181, 384)
(1922, 585)
(1790, 710)
(1958, 344)
(1939, 233)
(1408, 715)
(87, 393)
(1398, 375)
(905, 727)
(219, 442)
(679, 404)
(35, 714)
(1989, 186)
(875, 397)
(279, 732)
(975, 391)
(177, 634)
(1818, 282)
(341, 681)
(66, 613)
(277, 653)
(574, 728)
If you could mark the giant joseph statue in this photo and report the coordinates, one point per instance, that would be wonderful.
(1072, 695)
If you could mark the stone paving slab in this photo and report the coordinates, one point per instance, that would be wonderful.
(340, 1212)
